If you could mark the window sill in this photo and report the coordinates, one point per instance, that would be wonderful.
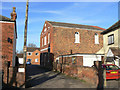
(96, 43)
(110, 43)
(76, 42)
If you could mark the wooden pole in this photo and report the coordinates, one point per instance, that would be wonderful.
(25, 35)
(104, 73)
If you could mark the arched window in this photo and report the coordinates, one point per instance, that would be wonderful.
(45, 29)
(77, 37)
(96, 38)
(48, 38)
(45, 40)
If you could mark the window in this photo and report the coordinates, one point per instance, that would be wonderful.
(45, 40)
(42, 41)
(77, 37)
(48, 28)
(9, 40)
(112, 67)
(29, 60)
(36, 60)
(29, 53)
(45, 25)
(45, 29)
(36, 53)
(48, 38)
(73, 60)
(57, 60)
(96, 38)
(111, 39)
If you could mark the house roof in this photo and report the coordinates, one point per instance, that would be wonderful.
(3, 18)
(112, 28)
(71, 25)
(20, 55)
(115, 51)
(32, 49)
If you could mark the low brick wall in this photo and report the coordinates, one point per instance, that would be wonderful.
(88, 74)
(13, 78)
(20, 79)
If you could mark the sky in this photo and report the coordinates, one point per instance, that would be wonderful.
(102, 14)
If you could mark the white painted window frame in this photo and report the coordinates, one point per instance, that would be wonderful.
(28, 53)
(45, 40)
(48, 38)
(77, 37)
(111, 39)
(36, 60)
(45, 29)
(96, 38)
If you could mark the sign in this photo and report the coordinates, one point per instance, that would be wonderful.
(21, 61)
(21, 70)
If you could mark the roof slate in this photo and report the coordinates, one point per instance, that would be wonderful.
(115, 50)
(62, 24)
(20, 55)
(3, 18)
(32, 49)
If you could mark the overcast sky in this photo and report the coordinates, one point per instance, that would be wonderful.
(102, 14)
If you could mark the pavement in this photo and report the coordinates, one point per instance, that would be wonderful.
(38, 77)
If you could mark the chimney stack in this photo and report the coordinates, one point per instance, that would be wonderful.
(13, 14)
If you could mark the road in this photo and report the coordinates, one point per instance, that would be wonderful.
(42, 78)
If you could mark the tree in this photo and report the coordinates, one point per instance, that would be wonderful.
(32, 45)
(21, 51)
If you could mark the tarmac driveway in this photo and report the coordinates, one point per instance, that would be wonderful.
(38, 77)
(113, 84)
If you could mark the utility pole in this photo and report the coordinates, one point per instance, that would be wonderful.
(104, 73)
(25, 36)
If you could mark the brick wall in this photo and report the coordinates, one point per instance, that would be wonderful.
(7, 47)
(93, 75)
(15, 78)
(64, 41)
(88, 74)
(68, 60)
(43, 34)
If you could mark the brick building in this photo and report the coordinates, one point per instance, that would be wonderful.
(59, 39)
(111, 44)
(8, 43)
(33, 55)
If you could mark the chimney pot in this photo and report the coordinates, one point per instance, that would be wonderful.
(13, 14)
